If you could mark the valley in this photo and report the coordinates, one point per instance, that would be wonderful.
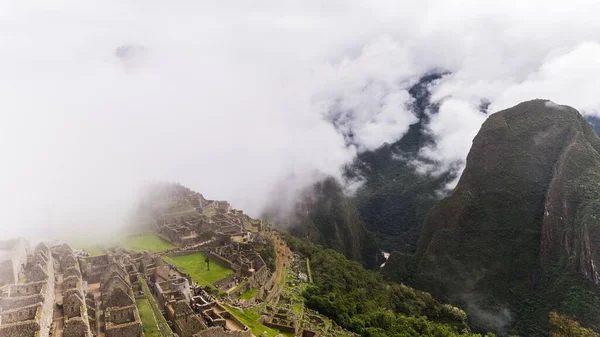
(512, 250)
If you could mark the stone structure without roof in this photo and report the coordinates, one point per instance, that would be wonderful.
(26, 309)
(13, 258)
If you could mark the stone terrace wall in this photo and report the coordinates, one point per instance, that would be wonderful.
(229, 316)
(219, 332)
(280, 327)
(186, 252)
(221, 259)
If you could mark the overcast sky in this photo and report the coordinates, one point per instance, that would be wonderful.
(230, 97)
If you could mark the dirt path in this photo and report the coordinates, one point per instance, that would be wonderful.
(94, 288)
(282, 257)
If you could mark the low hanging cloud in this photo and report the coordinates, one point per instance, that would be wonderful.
(231, 97)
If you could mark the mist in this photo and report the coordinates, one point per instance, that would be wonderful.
(229, 98)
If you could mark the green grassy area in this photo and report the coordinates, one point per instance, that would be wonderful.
(148, 320)
(92, 245)
(298, 308)
(89, 245)
(150, 242)
(249, 294)
(194, 265)
(250, 319)
(162, 322)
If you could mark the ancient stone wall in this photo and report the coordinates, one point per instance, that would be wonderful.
(26, 289)
(229, 316)
(120, 315)
(280, 327)
(221, 259)
(20, 314)
(76, 327)
(21, 329)
(125, 330)
(9, 303)
(219, 332)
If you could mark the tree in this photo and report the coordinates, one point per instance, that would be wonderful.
(564, 326)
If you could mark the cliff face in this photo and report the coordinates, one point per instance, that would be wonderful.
(571, 225)
(326, 216)
(323, 214)
(527, 203)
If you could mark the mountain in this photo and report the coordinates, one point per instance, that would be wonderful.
(394, 198)
(520, 234)
(326, 216)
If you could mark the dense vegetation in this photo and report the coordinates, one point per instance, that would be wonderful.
(361, 301)
(564, 326)
(326, 216)
(268, 254)
(509, 243)
(394, 198)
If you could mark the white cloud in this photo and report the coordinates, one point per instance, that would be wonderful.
(453, 127)
(228, 97)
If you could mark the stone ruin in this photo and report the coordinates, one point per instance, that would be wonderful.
(13, 258)
(26, 309)
(121, 315)
(73, 298)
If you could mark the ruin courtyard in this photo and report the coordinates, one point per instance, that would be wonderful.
(201, 268)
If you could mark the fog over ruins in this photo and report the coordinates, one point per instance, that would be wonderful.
(201, 268)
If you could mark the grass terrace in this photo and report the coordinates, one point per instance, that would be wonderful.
(92, 245)
(250, 318)
(194, 265)
(149, 242)
(148, 320)
(249, 294)
(159, 320)
(89, 245)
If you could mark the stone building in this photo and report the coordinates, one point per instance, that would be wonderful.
(74, 302)
(121, 315)
(13, 258)
(26, 309)
(184, 320)
(220, 332)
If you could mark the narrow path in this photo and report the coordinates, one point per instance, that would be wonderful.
(282, 257)
(94, 288)
(59, 317)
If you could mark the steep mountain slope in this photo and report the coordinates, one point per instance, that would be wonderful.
(361, 301)
(326, 216)
(520, 234)
(394, 199)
